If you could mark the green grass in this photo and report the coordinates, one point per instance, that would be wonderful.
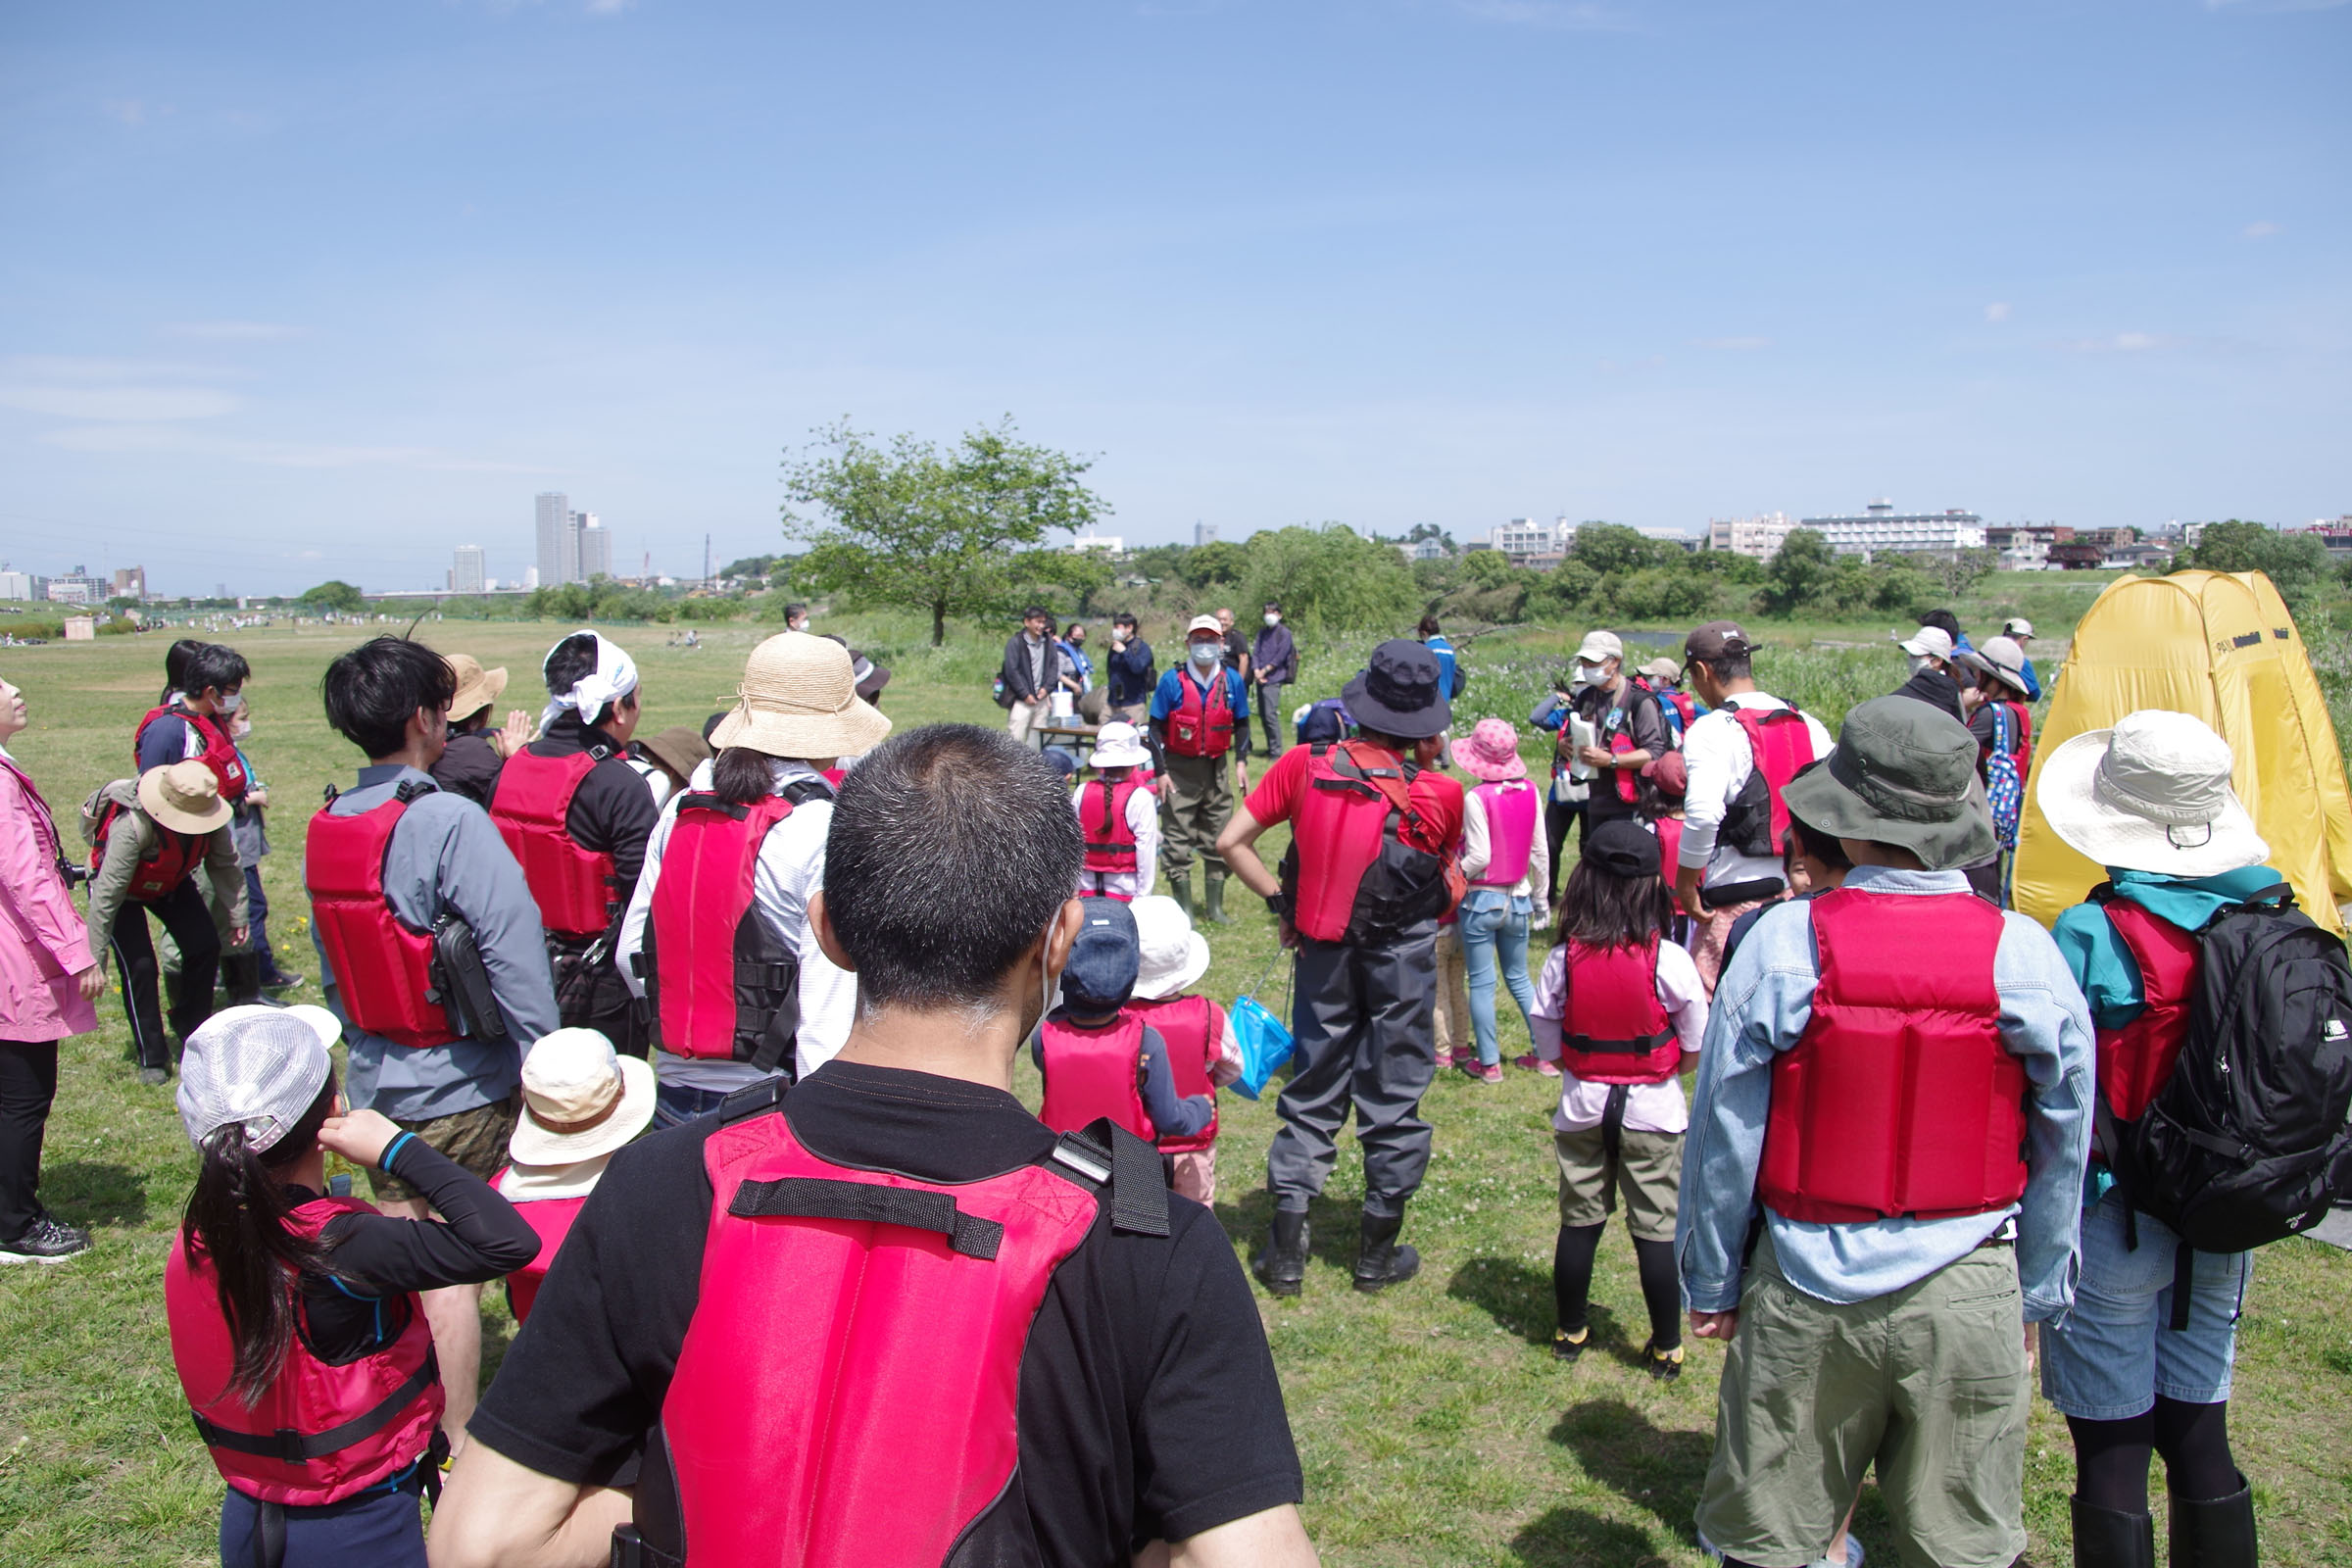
(1433, 1423)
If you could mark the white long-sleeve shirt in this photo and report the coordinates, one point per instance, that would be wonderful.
(1717, 753)
(1143, 820)
(1478, 843)
(790, 868)
(1648, 1107)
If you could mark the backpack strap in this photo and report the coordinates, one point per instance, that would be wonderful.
(754, 1099)
(801, 791)
(1105, 1154)
(2184, 1273)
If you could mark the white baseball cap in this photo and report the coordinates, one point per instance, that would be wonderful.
(1932, 641)
(1599, 644)
(256, 1067)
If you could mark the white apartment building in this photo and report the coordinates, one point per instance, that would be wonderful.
(1881, 529)
(559, 539)
(21, 585)
(595, 546)
(1110, 544)
(467, 576)
(1760, 537)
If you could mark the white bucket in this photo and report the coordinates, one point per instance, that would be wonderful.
(1063, 705)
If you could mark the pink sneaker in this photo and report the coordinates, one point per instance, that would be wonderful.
(1537, 1064)
(1490, 1075)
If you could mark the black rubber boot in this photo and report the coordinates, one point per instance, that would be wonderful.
(2105, 1539)
(1282, 1266)
(1383, 1261)
(2219, 1534)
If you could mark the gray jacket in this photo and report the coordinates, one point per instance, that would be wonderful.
(447, 854)
(131, 840)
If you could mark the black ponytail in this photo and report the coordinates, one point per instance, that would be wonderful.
(742, 776)
(236, 1220)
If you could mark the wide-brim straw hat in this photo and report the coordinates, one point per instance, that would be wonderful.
(2152, 794)
(1171, 953)
(184, 797)
(477, 688)
(799, 697)
(1902, 773)
(580, 1099)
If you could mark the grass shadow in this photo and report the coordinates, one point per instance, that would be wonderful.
(1573, 1537)
(1518, 1297)
(86, 1193)
(1654, 1469)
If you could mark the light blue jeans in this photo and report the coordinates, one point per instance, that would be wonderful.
(1493, 926)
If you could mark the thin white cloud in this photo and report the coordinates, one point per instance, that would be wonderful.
(2120, 343)
(231, 331)
(124, 111)
(1559, 16)
(132, 404)
(93, 369)
(1733, 345)
(1997, 312)
(608, 8)
(2264, 229)
(120, 438)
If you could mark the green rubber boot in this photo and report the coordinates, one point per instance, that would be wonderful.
(1180, 888)
(1214, 888)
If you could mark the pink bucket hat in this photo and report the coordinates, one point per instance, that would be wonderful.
(1491, 751)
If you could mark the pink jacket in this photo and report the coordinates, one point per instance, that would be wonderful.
(43, 943)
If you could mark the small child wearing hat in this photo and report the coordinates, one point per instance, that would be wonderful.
(1203, 1055)
(1622, 1011)
(582, 1101)
(1506, 860)
(1119, 815)
(348, 1344)
(1099, 1056)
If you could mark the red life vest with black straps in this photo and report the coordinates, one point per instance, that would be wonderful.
(573, 887)
(1369, 858)
(1613, 1029)
(2021, 751)
(1510, 832)
(1092, 1073)
(384, 966)
(1102, 819)
(171, 862)
(550, 1218)
(1899, 1101)
(1678, 707)
(1194, 1030)
(220, 752)
(1669, 830)
(319, 1433)
(2136, 1060)
(876, 1421)
(724, 984)
(1201, 722)
(1781, 742)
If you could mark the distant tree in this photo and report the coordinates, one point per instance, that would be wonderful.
(749, 567)
(1081, 575)
(1219, 562)
(913, 526)
(1955, 573)
(1424, 532)
(1157, 562)
(1487, 567)
(336, 594)
(2297, 564)
(1612, 547)
(1801, 572)
(1334, 578)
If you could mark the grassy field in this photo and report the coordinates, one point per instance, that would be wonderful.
(1435, 1427)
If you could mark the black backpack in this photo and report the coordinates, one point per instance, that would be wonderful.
(2250, 1139)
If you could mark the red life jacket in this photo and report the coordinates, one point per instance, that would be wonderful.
(1899, 1101)
(318, 1434)
(1510, 832)
(1681, 710)
(834, 776)
(2020, 725)
(1201, 725)
(551, 1219)
(220, 752)
(1091, 1072)
(1103, 817)
(1365, 863)
(1195, 1034)
(171, 862)
(725, 985)
(1613, 1029)
(875, 1421)
(573, 888)
(384, 966)
(1670, 849)
(1757, 822)
(2136, 1060)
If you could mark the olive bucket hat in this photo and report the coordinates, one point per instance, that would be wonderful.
(1905, 774)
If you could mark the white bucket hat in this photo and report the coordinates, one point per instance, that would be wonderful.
(1929, 642)
(799, 697)
(581, 1099)
(1119, 746)
(2152, 794)
(1172, 955)
(2008, 661)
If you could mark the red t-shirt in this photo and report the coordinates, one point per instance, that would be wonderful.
(1331, 867)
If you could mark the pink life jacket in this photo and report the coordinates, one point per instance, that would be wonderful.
(1670, 853)
(1510, 832)
(1102, 819)
(384, 966)
(1899, 1101)
(875, 1421)
(1194, 1030)
(551, 1219)
(1613, 1029)
(1091, 1073)
(2136, 1060)
(319, 1433)
(573, 887)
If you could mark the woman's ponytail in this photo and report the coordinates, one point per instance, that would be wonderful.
(237, 1221)
(742, 776)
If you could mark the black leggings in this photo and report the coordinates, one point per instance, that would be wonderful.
(2111, 1457)
(1558, 817)
(27, 1086)
(189, 920)
(1572, 1282)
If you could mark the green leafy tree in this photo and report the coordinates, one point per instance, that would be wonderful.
(1074, 576)
(336, 594)
(2297, 560)
(1333, 576)
(909, 525)
(1801, 573)
(1612, 547)
(1487, 567)
(1157, 562)
(1423, 532)
(1219, 562)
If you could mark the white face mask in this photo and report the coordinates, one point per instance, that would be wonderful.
(1918, 662)
(1206, 653)
(1273, 619)
(1588, 675)
(229, 702)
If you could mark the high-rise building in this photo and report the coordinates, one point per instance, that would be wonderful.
(131, 582)
(1881, 529)
(465, 575)
(558, 540)
(595, 546)
(1204, 533)
(21, 585)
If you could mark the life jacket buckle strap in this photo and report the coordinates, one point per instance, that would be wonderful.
(756, 1100)
(825, 1197)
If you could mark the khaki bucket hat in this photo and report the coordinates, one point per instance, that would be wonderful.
(799, 697)
(184, 797)
(477, 688)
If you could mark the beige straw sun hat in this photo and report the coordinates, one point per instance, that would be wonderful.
(184, 797)
(799, 697)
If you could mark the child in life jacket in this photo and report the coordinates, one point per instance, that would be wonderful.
(2134, 1368)
(1203, 1053)
(246, 975)
(582, 1102)
(296, 1328)
(1099, 1056)
(1665, 780)
(1504, 857)
(1119, 815)
(1622, 1012)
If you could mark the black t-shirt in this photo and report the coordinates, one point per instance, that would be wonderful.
(1148, 1404)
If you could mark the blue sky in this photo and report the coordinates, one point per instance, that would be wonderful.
(301, 290)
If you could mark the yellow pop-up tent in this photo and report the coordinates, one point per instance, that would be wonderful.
(2222, 647)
